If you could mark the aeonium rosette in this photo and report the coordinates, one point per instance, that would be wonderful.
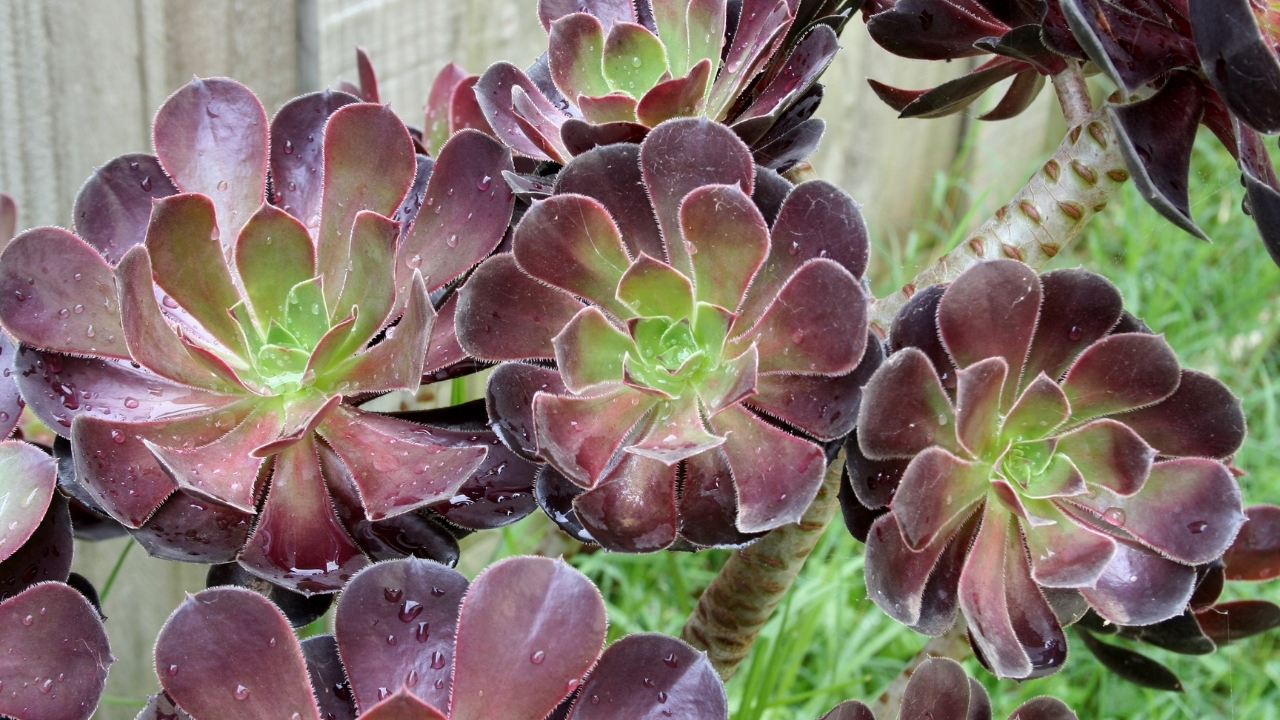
(700, 353)
(215, 361)
(1052, 457)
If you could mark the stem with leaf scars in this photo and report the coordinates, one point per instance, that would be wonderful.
(1048, 213)
(742, 596)
(954, 644)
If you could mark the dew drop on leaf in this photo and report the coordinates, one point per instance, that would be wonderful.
(240, 693)
(537, 657)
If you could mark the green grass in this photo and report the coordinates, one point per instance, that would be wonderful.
(1218, 304)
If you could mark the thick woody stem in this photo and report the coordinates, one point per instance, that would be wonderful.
(1047, 214)
(738, 602)
(952, 645)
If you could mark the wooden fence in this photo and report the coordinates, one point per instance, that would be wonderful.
(81, 79)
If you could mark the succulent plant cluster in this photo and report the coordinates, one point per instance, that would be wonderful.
(1178, 65)
(683, 328)
(1040, 453)
(614, 69)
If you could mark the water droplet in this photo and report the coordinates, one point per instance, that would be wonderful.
(117, 437)
(288, 147)
(130, 403)
(222, 185)
(64, 313)
(46, 686)
(595, 699)
(648, 683)
(452, 241)
(146, 183)
(1075, 333)
(271, 642)
(440, 684)
(415, 261)
(392, 594)
(89, 332)
(28, 620)
(437, 660)
(315, 308)
(241, 692)
(662, 697)
(169, 302)
(391, 639)
(484, 183)
(413, 678)
(635, 61)
(1197, 527)
(423, 632)
(173, 670)
(410, 610)
(670, 660)
(1115, 516)
(437, 592)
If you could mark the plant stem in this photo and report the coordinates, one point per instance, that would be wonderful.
(1048, 213)
(952, 645)
(111, 579)
(742, 596)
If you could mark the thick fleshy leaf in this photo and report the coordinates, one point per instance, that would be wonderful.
(783, 151)
(575, 56)
(1231, 621)
(776, 473)
(56, 655)
(895, 97)
(1138, 587)
(590, 349)
(30, 476)
(273, 254)
(1265, 203)
(509, 400)
(904, 409)
(211, 138)
(680, 682)
(1238, 60)
(297, 159)
(916, 588)
(937, 690)
(654, 289)
(580, 435)
(1032, 618)
(570, 241)
(298, 609)
(57, 293)
(611, 175)
(531, 626)
(402, 706)
(991, 311)
(503, 314)
(1043, 708)
(679, 97)
(949, 31)
(395, 476)
(224, 470)
(1026, 86)
(873, 482)
(685, 154)
(1189, 510)
(676, 433)
(826, 408)
(1040, 409)
(633, 508)
(849, 710)
(762, 26)
(1202, 418)
(983, 596)
(302, 413)
(1132, 45)
(187, 528)
(298, 541)
(328, 678)
(470, 208)
(955, 95)
(607, 11)
(1255, 554)
(9, 218)
(1108, 454)
(1181, 634)
(1131, 666)
(602, 110)
(634, 58)
(44, 557)
(495, 92)
(978, 405)
(396, 362)
(368, 165)
(1079, 308)
(395, 627)
(1155, 137)
(806, 61)
(555, 495)
(708, 503)
(114, 204)
(437, 127)
(728, 240)
(1119, 373)
(936, 494)
(579, 137)
(1065, 553)
(227, 652)
(188, 262)
(370, 285)
(916, 325)
(541, 126)
(816, 325)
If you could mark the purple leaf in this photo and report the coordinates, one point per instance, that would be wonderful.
(438, 125)
(579, 137)
(937, 492)
(991, 311)
(44, 556)
(56, 654)
(395, 475)
(1202, 418)
(679, 97)
(297, 158)
(530, 626)
(444, 355)
(228, 653)
(737, 380)
(1109, 454)
(933, 29)
(368, 165)
(555, 495)
(396, 362)
(495, 91)
(298, 541)
(302, 413)
(190, 529)
(916, 325)
(676, 433)
(1079, 308)
(849, 710)
(1026, 85)
(114, 204)
(590, 349)
(938, 690)
(678, 682)
(1255, 554)
(824, 407)
(580, 435)
(1155, 137)
(978, 405)
(1031, 616)
(873, 482)
(503, 314)
(613, 107)
(1132, 46)
(806, 61)
(1066, 553)
(1040, 410)
(368, 78)
(1119, 373)
(1138, 587)
(395, 627)
(611, 175)
(918, 589)
(762, 26)
(369, 292)
(466, 212)
(509, 400)
(816, 325)
(895, 97)
(1238, 60)
(328, 678)
(1129, 665)
(9, 218)
(1043, 708)
(682, 155)
(782, 151)
(211, 137)
(538, 123)
(30, 476)
(708, 504)
(273, 254)
(776, 473)
(47, 272)
(1231, 621)
(188, 263)
(633, 508)
(904, 409)
(402, 706)
(225, 470)
(570, 242)
(984, 595)
(575, 55)
(607, 11)
(728, 241)
(955, 95)
(653, 288)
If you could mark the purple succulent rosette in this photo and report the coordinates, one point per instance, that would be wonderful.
(691, 339)
(940, 690)
(1038, 452)
(614, 69)
(413, 640)
(1192, 63)
(202, 348)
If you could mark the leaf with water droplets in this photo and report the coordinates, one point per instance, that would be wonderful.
(30, 477)
(503, 314)
(114, 204)
(652, 675)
